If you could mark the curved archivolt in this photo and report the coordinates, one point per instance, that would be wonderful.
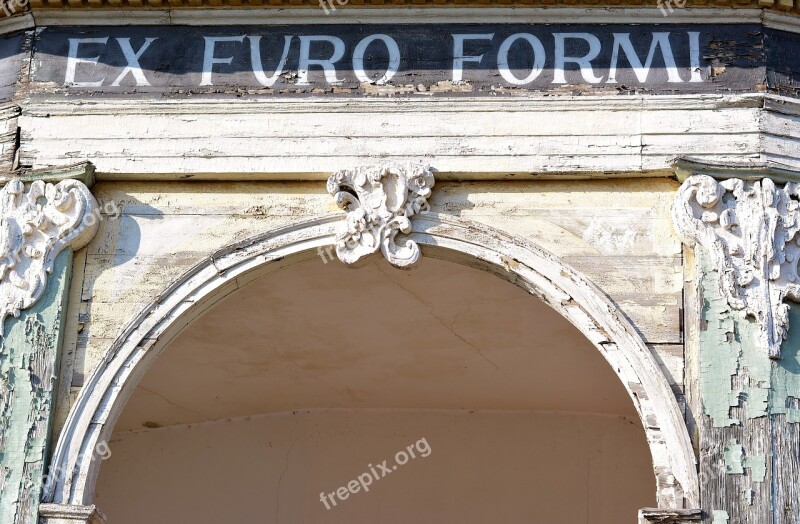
(103, 397)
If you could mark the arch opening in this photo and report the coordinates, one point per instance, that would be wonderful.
(101, 401)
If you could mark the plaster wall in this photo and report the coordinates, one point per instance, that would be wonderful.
(482, 467)
(616, 232)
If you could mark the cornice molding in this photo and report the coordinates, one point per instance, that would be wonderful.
(778, 6)
(82, 171)
(686, 167)
(310, 12)
(380, 202)
(775, 14)
(16, 22)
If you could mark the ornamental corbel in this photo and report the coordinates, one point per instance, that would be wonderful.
(380, 202)
(750, 230)
(36, 224)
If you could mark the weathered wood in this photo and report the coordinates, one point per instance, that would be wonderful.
(29, 369)
(785, 426)
(9, 136)
(475, 137)
(736, 470)
(13, 54)
(668, 516)
(782, 50)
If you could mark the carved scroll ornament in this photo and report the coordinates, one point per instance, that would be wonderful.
(380, 202)
(35, 226)
(750, 230)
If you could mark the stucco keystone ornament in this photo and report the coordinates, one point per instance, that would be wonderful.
(750, 230)
(35, 226)
(380, 202)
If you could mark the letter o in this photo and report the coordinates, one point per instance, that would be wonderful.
(538, 58)
(399, 454)
(394, 58)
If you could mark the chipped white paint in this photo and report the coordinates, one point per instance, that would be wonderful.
(103, 396)
(613, 238)
(601, 135)
(750, 230)
(380, 202)
(36, 226)
(70, 514)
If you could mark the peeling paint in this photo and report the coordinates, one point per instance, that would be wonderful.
(758, 467)
(786, 372)
(28, 373)
(736, 461)
(734, 371)
(719, 517)
(734, 456)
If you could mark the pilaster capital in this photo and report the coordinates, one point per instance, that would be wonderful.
(750, 230)
(37, 222)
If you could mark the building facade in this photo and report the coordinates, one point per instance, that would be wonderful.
(251, 255)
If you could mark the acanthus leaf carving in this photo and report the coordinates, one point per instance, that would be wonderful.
(380, 202)
(35, 226)
(750, 230)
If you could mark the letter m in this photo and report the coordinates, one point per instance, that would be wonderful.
(660, 40)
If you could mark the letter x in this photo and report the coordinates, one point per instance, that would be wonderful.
(132, 57)
(384, 470)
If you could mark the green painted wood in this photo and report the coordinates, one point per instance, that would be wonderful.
(29, 359)
(749, 424)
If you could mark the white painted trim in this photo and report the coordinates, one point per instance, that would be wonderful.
(653, 130)
(86, 106)
(16, 23)
(782, 22)
(102, 398)
(397, 15)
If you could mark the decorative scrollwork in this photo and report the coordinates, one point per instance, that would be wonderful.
(750, 230)
(35, 226)
(380, 202)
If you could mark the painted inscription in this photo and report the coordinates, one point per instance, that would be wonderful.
(426, 59)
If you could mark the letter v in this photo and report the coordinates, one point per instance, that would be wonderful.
(258, 67)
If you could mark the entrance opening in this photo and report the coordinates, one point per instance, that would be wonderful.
(306, 380)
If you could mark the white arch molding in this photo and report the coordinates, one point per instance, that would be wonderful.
(101, 400)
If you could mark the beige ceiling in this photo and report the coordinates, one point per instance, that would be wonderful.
(322, 335)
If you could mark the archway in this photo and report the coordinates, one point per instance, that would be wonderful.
(103, 397)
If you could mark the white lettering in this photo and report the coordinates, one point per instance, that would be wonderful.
(258, 66)
(208, 58)
(623, 41)
(73, 61)
(458, 53)
(694, 56)
(132, 57)
(327, 65)
(585, 62)
(538, 58)
(394, 58)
